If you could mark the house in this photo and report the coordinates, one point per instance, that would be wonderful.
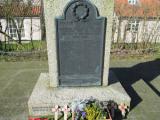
(136, 21)
(22, 18)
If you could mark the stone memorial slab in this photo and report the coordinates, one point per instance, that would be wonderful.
(78, 34)
(80, 40)
(54, 9)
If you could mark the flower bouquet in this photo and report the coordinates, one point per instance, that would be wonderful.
(89, 109)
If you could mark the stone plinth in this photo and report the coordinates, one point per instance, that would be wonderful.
(43, 97)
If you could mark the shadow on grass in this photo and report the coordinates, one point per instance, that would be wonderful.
(146, 71)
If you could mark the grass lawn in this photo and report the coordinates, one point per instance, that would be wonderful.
(25, 46)
(17, 80)
(141, 78)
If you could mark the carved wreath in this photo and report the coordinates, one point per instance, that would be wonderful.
(85, 9)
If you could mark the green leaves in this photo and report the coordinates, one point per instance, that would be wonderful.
(94, 112)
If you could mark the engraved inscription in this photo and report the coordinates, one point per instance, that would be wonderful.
(41, 109)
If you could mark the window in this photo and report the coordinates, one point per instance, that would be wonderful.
(21, 27)
(133, 25)
(13, 29)
(133, 2)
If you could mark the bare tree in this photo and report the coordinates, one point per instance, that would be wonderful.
(15, 12)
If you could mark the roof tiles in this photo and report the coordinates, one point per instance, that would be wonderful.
(143, 8)
(17, 10)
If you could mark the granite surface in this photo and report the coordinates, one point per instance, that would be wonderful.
(43, 97)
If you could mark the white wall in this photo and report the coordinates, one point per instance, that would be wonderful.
(3, 23)
(36, 29)
(152, 30)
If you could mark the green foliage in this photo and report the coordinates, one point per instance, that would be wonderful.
(94, 112)
(48, 117)
(23, 52)
(135, 51)
(134, 46)
(28, 46)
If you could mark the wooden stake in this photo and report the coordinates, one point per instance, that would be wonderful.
(66, 109)
(56, 110)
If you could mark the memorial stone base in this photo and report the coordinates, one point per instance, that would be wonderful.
(44, 98)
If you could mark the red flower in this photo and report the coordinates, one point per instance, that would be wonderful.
(34, 119)
(38, 119)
